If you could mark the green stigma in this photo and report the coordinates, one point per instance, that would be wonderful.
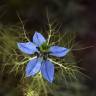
(44, 47)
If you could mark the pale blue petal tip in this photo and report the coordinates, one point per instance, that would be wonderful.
(58, 51)
(38, 39)
(47, 71)
(33, 67)
(28, 47)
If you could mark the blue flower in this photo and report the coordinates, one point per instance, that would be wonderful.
(41, 64)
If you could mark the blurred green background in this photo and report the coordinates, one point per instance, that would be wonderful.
(70, 16)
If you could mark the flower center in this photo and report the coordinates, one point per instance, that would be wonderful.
(43, 51)
(44, 47)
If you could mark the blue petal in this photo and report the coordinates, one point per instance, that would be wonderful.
(28, 48)
(47, 70)
(38, 39)
(58, 51)
(33, 67)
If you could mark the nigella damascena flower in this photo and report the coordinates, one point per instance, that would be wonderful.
(42, 50)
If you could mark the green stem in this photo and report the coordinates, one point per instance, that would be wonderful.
(26, 60)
